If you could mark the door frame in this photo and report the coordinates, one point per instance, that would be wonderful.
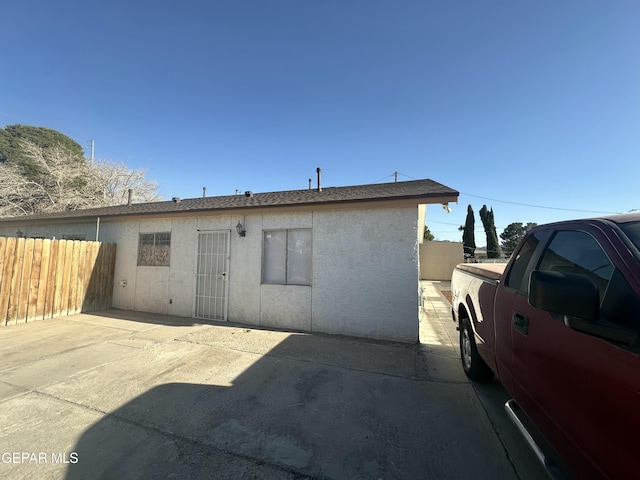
(224, 273)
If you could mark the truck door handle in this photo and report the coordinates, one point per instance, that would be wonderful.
(521, 323)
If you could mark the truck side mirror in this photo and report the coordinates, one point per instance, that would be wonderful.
(568, 294)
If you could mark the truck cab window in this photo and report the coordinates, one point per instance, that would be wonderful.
(578, 252)
(518, 277)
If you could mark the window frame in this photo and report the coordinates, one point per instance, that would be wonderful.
(156, 260)
(287, 265)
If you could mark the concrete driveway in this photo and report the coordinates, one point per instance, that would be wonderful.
(127, 395)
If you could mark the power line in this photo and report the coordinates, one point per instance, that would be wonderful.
(478, 228)
(537, 206)
(507, 201)
(13, 116)
(444, 223)
(395, 176)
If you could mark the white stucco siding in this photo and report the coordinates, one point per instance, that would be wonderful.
(125, 236)
(244, 271)
(286, 306)
(152, 290)
(366, 273)
(287, 220)
(181, 285)
(422, 216)
(156, 289)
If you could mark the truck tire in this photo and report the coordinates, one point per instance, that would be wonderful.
(472, 363)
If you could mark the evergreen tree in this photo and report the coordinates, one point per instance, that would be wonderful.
(427, 235)
(468, 235)
(512, 234)
(493, 247)
(12, 150)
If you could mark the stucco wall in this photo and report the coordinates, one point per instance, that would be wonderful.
(364, 270)
(438, 259)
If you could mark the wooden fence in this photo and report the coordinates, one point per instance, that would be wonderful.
(41, 278)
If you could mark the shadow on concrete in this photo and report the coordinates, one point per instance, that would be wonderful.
(154, 318)
(296, 418)
(175, 321)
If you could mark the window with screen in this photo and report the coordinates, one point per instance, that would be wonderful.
(286, 256)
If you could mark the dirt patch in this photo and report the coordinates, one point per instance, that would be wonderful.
(447, 294)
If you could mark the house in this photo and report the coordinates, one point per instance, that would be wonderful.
(338, 260)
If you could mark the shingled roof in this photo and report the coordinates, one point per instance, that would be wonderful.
(420, 190)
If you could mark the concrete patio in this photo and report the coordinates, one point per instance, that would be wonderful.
(128, 395)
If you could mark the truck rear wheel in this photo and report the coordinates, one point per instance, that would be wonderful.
(472, 363)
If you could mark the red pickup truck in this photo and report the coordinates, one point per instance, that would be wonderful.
(559, 325)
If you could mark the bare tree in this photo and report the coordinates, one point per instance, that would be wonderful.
(112, 182)
(14, 188)
(65, 182)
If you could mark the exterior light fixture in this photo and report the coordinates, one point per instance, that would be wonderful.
(240, 229)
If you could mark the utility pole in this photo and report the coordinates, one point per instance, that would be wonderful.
(92, 150)
(395, 174)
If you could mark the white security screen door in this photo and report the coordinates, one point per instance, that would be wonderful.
(211, 275)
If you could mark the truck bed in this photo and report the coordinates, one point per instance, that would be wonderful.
(492, 271)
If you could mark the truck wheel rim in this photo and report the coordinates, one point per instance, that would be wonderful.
(466, 349)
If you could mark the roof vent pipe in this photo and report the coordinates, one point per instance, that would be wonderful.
(319, 170)
(309, 184)
(130, 196)
(204, 192)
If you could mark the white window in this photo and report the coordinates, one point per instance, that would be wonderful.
(154, 249)
(286, 256)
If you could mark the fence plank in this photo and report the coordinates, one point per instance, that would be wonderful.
(90, 271)
(16, 278)
(82, 257)
(5, 277)
(59, 287)
(111, 270)
(102, 261)
(3, 246)
(42, 280)
(73, 277)
(66, 282)
(27, 266)
(51, 280)
(101, 277)
(32, 291)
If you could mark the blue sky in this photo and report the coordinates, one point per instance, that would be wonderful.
(511, 103)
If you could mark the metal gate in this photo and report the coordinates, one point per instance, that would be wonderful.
(211, 275)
